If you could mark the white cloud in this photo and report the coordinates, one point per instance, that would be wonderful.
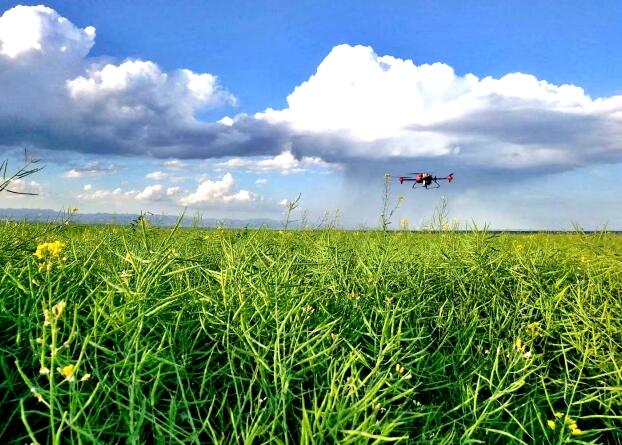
(72, 174)
(54, 95)
(157, 175)
(359, 105)
(156, 192)
(226, 121)
(284, 162)
(87, 187)
(217, 192)
(91, 169)
(139, 91)
(22, 186)
(261, 181)
(38, 29)
(208, 192)
(175, 164)
(102, 195)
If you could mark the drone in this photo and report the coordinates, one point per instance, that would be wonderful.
(425, 180)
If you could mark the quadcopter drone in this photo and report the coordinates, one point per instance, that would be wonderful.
(425, 180)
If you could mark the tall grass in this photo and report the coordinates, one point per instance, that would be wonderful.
(257, 336)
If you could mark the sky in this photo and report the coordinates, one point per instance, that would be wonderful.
(232, 108)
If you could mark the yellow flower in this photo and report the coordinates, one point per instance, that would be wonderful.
(41, 251)
(55, 248)
(399, 369)
(551, 424)
(44, 370)
(533, 326)
(559, 415)
(85, 377)
(575, 431)
(49, 249)
(67, 372)
(519, 247)
(518, 345)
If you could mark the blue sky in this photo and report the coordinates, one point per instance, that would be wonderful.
(320, 98)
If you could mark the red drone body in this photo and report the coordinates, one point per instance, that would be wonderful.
(425, 179)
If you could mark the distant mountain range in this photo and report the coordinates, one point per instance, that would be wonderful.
(47, 215)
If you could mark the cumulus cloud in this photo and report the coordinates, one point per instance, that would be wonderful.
(139, 92)
(208, 193)
(284, 163)
(104, 194)
(39, 30)
(359, 105)
(23, 186)
(156, 192)
(56, 97)
(217, 192)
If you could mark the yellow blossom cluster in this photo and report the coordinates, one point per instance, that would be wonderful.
(46, 250)
(400, 370)
(535, 329)
(568, 421)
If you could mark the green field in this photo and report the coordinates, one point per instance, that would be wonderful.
(259, 336)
